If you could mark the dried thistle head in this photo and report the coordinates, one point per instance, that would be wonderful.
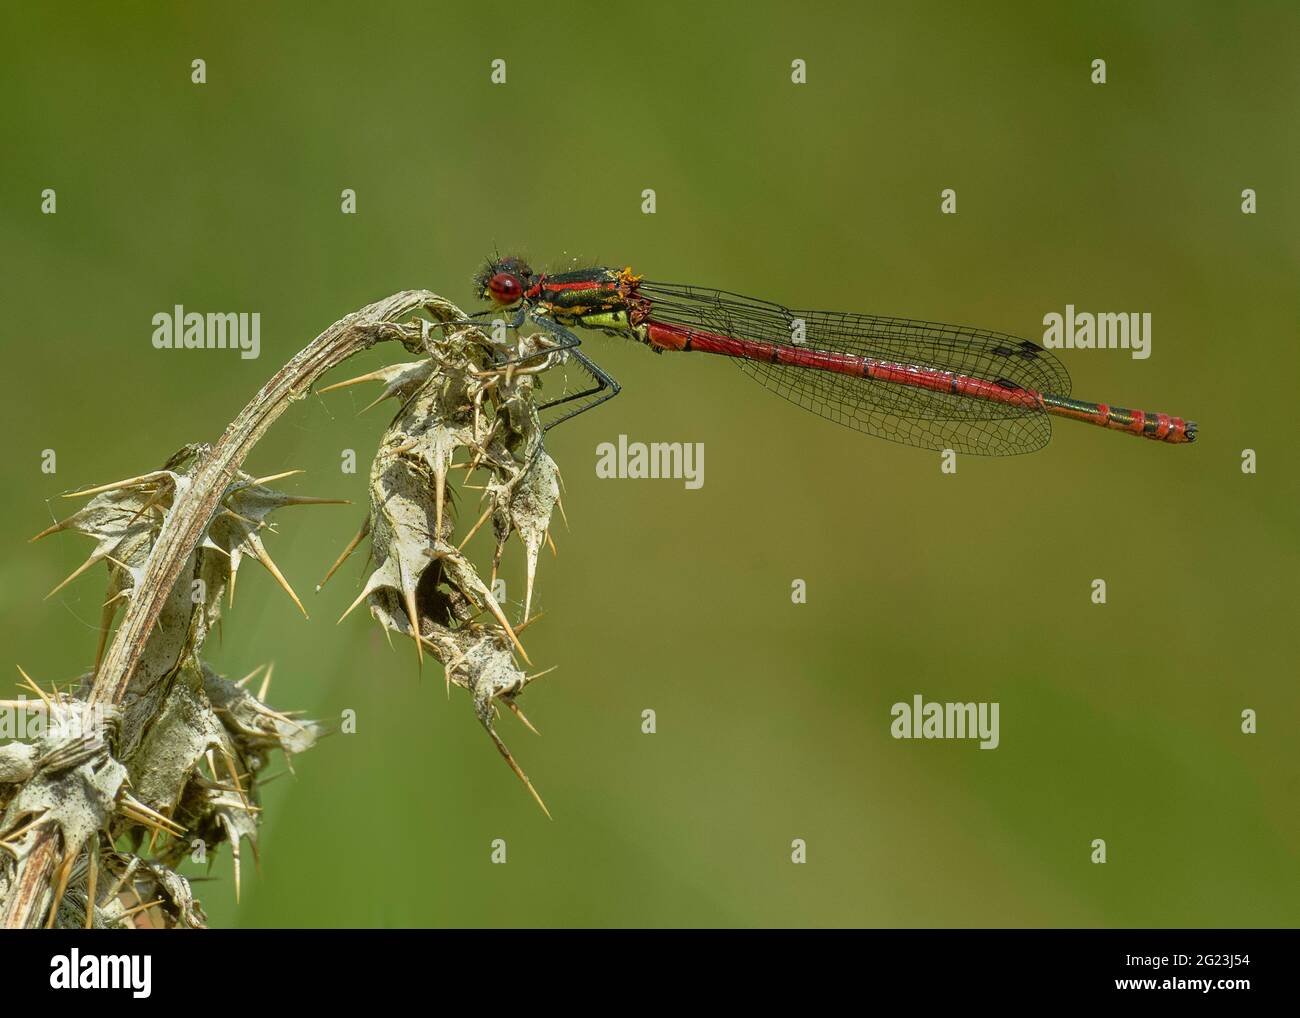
(469, 406)
(152, 754)
(176, 764)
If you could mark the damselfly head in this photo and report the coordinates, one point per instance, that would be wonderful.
(504, 280)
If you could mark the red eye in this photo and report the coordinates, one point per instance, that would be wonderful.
(505, 288)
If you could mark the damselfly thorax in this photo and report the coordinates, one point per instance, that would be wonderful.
(598, 298)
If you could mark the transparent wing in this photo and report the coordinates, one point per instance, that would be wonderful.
(899, 413)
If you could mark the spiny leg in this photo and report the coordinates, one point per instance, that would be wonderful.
(606, 388)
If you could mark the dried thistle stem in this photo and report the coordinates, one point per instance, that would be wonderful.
(31, 891)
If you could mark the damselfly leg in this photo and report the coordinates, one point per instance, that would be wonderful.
(605, 387)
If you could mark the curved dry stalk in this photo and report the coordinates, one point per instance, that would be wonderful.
(31, 893)
(194, 507)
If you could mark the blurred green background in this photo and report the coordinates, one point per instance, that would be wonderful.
(1118, 722)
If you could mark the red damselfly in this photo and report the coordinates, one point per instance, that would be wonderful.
(919, 383)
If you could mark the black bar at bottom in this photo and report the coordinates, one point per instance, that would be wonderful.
(307, 968)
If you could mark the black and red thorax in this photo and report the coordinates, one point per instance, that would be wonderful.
(596, 298)
(609, 300)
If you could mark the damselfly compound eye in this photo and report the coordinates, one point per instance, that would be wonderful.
(505, 288)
